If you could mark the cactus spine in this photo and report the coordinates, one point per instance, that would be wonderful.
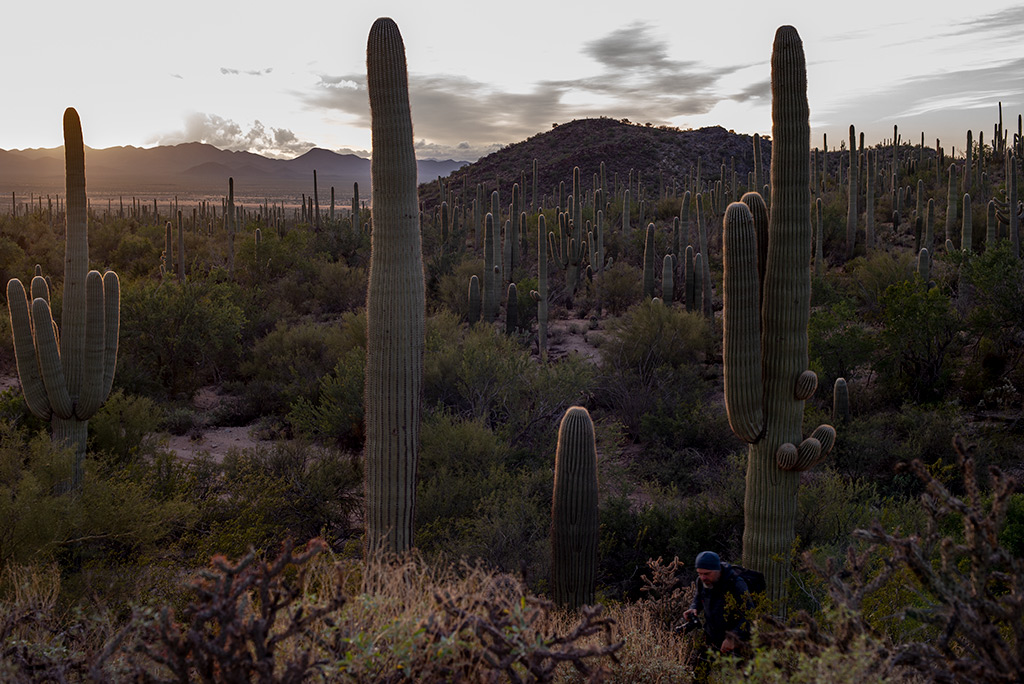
(394, 301)
(765, 352)
(574, 523)
(67, 385)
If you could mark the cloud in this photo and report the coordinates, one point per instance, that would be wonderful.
(1006, 24)
(178, 76)
(238, 72)
(946, 103)
(460, 118)
(229, 135)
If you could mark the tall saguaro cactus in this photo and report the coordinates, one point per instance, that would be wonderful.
(394, 301)
(67, 385)
(765, 347)
(574, 523)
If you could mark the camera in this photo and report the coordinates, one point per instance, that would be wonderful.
(690, 625)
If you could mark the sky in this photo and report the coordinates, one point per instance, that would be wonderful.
(281, 78)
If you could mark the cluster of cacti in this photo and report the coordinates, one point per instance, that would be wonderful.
(574, 511)
(67, 382)
(765, 345)
(395, 307)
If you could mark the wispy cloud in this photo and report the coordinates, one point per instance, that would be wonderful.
(229, 135)
(461, 118)
(944, 97)
(241, 72)
(1005, 24)
(178, 76)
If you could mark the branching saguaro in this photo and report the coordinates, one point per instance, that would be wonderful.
(765, 314)
(394, 301)
(67, 381)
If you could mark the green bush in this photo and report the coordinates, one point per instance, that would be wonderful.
(176, 338)
(121, 431)
(620, 287)
(336, 417)
(918, 341)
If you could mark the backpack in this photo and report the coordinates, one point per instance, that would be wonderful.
(754, 580)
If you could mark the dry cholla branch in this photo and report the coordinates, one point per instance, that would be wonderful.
(232, 630)
(972, 589)
(514, 644)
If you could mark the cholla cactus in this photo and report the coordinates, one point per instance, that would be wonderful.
(67, 384)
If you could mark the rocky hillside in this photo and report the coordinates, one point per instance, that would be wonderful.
(659, 155)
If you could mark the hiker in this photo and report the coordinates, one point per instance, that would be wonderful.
(723, 600)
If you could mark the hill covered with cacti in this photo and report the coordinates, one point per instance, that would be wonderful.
(661, 158)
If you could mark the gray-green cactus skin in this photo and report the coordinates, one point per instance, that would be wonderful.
(395, 305)
(1014, 221)
(67, 382)
(992, 226)
(570, 250)
(951, 195)
(765, 348)
(512, 309)
(491, 276)
(929, 225)
(854, 191)
(819, 255)
(475, 300)
(924, 264)
(229, 224)
(541, 293)
(871, 168)
(167, 258)
(705, 272)
(574, 511)
(648, 286)
(181, 249)
(625, 211)
(667, 279)
(690, 278)
(967, 231)
(840, 402)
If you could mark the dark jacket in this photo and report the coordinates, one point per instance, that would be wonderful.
(724, 606)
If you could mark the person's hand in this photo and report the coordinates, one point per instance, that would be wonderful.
(689, 614)
(728, 644)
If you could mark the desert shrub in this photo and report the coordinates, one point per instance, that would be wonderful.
(918, 339)
(872, 446)
(869, 277)
(176, 338)
(121, 431)
(258, 497)
(621, 287)
(838, 344)
(830, 506)
(1011, 537)
(339, 288)
(457, 460)
(648, 374)
(452, 291)
(478, 372)
(336, 415)
(291, 359)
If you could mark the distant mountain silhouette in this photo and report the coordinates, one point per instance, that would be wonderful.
(196, 169)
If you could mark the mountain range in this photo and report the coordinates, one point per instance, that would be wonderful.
(659, 157)
(196, 169)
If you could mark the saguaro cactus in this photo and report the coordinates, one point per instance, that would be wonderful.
(765, 348)
(394, 301)
(574, 524)
(68, 385)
